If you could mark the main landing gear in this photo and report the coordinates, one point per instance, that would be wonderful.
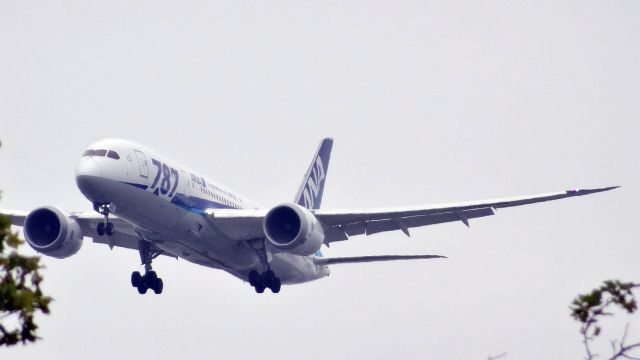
(105, 227)
(150, 279)
(268, 279)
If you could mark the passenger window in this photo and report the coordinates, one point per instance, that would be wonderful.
(113, 155)
(100, 152)
(89, 153)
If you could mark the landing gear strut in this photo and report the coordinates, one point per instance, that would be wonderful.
(105, 227)
(150, 279)
(268, 279)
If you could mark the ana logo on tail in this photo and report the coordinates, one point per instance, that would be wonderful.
(314, 184)
(311, 187)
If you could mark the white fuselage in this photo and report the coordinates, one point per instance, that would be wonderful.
(166, 204)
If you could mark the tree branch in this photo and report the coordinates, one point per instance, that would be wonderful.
(589, 308)
(624, 349)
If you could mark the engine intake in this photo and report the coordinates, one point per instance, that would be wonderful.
(52, 232)
(292, 228)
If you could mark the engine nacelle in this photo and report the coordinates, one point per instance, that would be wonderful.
(294, 229)
(52, 232)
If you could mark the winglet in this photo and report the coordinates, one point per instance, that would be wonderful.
(579, 192)
(311, 189)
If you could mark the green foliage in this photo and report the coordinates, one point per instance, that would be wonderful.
(20, 293)
(589, 309)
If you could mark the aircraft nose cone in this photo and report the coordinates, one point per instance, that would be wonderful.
(88, 176)
(88, 167)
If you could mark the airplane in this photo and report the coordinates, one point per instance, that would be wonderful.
(146, 202)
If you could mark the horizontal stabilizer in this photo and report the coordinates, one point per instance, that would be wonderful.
(362, 259)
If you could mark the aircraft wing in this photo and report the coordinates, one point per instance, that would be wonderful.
(345, 223)
(374, 258)
(15, 216)
(124, 236)
(341, 224)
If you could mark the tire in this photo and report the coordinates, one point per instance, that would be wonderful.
(142, 289)
(268, 278)
(253, 277)
(100, 229)
(275, 287)
(109, 229)
(150, 278)
(136, 279)
(260, 286)
(158, 286)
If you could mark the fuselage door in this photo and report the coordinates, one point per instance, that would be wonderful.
(143, 165)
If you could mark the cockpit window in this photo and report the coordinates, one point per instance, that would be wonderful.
(112, 154)
(102, 152)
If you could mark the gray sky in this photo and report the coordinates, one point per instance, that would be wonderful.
(428, 102)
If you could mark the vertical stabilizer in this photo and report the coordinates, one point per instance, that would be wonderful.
(310, 193)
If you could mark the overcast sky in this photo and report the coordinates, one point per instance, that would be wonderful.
(428, 102)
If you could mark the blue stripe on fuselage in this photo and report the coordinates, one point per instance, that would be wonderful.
(140, 186)
(189, 203)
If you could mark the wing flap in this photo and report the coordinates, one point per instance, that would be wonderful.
(237, 224)
(118, 240)
(378, 226)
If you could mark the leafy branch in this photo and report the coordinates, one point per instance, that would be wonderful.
(589, 309)
(20, 293)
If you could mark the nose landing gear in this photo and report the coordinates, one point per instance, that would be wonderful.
(105, 227)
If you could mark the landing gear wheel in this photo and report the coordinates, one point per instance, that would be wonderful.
(157, 286)
(268, 278)
(253, 277)
(275, 286)
(150, 277)
(105, 227)
(101, 229)
(109, 229)
(136, 279)
(142, 289)
(260, 286)
(150, 280)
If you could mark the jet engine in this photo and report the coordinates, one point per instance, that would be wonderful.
(52, 232)
(293, 229)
